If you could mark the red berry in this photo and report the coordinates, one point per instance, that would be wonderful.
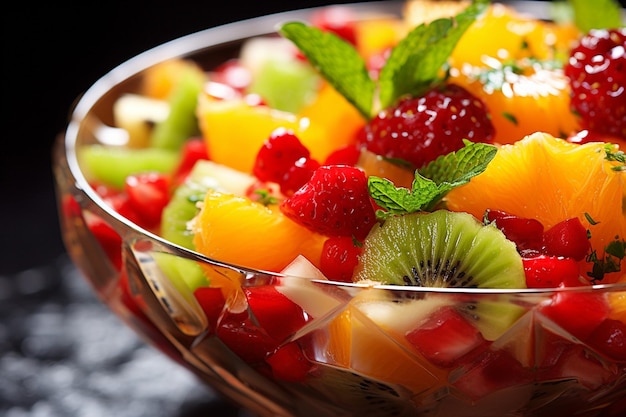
(446, 337)
(194, 149)
(610, 338)
(288, 363)
(338, 20)
(525, 232)
(340, 256)
(283, 159)
(276, 314)
(212, 302)
(347, 155)
(567, 238)
(334, 202)
(597, 72)
(551, 272)
(419, 129)
(577, 313)
(233, 74)
(148, 194)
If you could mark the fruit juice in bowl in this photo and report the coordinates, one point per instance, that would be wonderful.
(394, 208)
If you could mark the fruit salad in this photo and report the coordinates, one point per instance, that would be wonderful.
(391, 215)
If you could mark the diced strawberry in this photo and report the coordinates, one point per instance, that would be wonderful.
(245, 338)
(148, 194)
(575, 361)
(579, 313)
(108, 239)
(493, 371)
(193, 150)
(334, 202)
(289, 364)
(446, 337)
(338, 20)
(525, 232)
(233, 74)
(212, 302)
(277, 315)
(340, 257)
(567, 238)
(609, 338)
(543, 271)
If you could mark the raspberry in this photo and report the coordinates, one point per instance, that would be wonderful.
(419, 129)
(597, 72)
(334, 202)
(283, 159)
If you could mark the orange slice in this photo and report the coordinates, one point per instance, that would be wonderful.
(237, 230)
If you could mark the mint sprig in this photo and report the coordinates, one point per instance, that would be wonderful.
(414, 63)
(337, 61)
(432, 182)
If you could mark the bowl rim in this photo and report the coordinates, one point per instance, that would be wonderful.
(221, 35)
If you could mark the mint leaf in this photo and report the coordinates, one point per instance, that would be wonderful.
(399, 200)
(433, 182)
(457, 168)
(597, 14)
(416, 61)
(337, 61)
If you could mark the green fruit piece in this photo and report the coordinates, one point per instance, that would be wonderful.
(183, 205)
(181, 122)
(111, 165)
(286, 85)
(360, 394)
(185, 274)
(440, 249)
(492, 318)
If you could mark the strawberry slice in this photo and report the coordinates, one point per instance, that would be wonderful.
(334, 202)
(446, 337)
(543, 271)
(148, 194)
(577, 313)
(567, 238)
(288, 363)
(526, 233)
(194, 149)
(212, 302)
(277, 315)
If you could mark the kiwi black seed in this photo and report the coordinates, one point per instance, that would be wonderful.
(440, 249)
(362, 395)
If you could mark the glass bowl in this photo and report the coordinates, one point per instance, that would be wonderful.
(336, 353)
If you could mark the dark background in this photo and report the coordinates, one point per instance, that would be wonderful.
(51, 54)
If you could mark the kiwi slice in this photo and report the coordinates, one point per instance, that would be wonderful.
(360, 394)
(440, 249)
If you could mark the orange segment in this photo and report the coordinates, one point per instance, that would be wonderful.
(159, 81)
(354, 340)
(550, 179)
(536, 101)
(505, 34)
(338, 118)
(240, 231)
